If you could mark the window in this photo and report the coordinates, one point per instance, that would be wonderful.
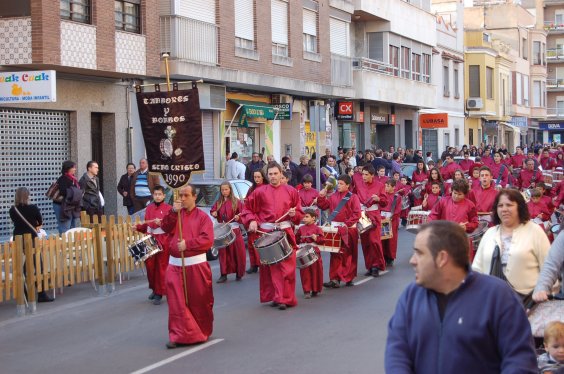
(394, 60)
(543, 53)
(489, 83)
(310, 31)
(405, 62)
(558, 19)
(537, 94)
(426, 68)
(339, 36)
(526, 90)
(456, 137)
(471, 136)
(518, 90)
(456, 85)
(537, 59)
(76, 10)
(416, 67)
(525, 47)
(279, 23)
(560, 108)
(127, 15)
(474, 80)
(244, 24)
(446, 83)
(375, 45)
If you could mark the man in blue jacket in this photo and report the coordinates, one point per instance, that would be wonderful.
(452, 320)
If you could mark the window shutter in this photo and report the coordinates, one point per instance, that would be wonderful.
(279, 18)
(310, 22)
(339, 36)
(201, 10)
(244, 19)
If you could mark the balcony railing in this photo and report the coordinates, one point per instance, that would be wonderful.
(363, 63)
(341, 70)
(552, 83)
(553, 26)
(555, 112)
(553, 54)
(188, 39)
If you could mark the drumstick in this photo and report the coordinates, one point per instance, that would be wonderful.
(264, 232)
(285, 214)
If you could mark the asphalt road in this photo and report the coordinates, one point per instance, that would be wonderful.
(341, 331)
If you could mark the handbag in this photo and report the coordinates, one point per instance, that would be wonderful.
(25, 220)
(496, 270)
(53, 193)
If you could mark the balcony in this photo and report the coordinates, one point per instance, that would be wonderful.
(376, 80)
(554, 113)
(553, 84)
(553, 27)
(189, 40)
(341, 70)
(555, 55)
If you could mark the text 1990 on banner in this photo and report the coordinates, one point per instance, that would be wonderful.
(172, 130)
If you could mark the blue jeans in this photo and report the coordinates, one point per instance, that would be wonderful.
(65, 225)
(130, 210)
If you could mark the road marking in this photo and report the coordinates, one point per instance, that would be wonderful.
(368, 278)
(176, 357)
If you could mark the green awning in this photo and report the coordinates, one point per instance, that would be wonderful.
(254, 109)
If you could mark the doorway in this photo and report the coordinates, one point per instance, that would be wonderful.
(96, 138)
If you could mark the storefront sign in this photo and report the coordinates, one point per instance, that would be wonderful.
(28, 86)
(433, 120)
(379, 118)
(359, 116)
(284, 111)
(551, 126)
(255, 111)
(519, 121)
(344, 110)
(171, 123)
(309, 141)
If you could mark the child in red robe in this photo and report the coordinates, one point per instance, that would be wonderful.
(433, 198)
(309, 232)
(390, 246)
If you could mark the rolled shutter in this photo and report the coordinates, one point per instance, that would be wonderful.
(201, 10)
(279, 18)
(310, 22)
(339, 36)
(244, 19)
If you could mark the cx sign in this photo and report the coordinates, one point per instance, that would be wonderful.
(344, 110)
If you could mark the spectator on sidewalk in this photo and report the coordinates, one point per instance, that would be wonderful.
(142, 186)
(234, 169)
(124, 187)
(92, 199)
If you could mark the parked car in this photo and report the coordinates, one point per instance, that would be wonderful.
(208, 193)
(407, 169)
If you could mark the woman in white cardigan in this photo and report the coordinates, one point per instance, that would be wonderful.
(522, 243)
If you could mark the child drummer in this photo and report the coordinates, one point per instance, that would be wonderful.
(156, 265)
(393, 208)
(309, 232)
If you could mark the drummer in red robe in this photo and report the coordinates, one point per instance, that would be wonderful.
(466, 164)
(259, 180)
(271, 203)
(418, 178)
(232, 258)
(475, 177)
(309, 232)
(483, 196)
(457, 208)
(431, 199)
(189, 321)
(517, 159)
(547, 162)
(157, 264)
(342, 266)
(372, 196)
(447, 171)
(356, 178)
(381, 174)
(500, 171)
(530, 176)
(308, 194)
(404, 186)
(538, 208)
(393, 207)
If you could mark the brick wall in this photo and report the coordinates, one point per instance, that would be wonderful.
(150, 28)
(45, 32)
(103, 19)
(319, 72)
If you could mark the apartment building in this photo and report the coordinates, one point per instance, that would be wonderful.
(553, 127)
(506, 72)
(91, 52)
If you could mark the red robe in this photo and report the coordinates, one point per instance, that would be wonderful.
(432, 200)
(343, 265)
(266, 205)
(466, 165)
(383, 179)
(417, 177)
(406, 192)
(307, 196)
(370, 240)
(252, 236)
(312, 276)
(483, 198)
(156, 265)
(474, 183)
(191, 322)
(526, 177)
(517, 160)
(496, 170)
(487, 161)
(356, 180)
(548, 163)
(445, 189)
(538, 208)
(390, 246)
(232, 259)
(447, 172)
(547, 200)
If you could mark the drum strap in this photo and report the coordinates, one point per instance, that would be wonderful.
(394, 203)
(340, 206)
(501, 171)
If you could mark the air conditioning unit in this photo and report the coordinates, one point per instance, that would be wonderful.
(487, 37)
(281, 99)
(474, 103)
(212, 96)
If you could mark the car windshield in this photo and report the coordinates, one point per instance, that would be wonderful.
(207, 195)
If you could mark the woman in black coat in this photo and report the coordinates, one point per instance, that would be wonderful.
(124, 186)
(67, 210)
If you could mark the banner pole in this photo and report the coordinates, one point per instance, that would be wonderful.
(181, 252)
(165, 56)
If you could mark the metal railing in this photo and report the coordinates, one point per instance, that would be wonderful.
(552, 83)
(189, 39)
(555, 54)
(363, 63)
(553, 26)
(555, 112)
(341, 70)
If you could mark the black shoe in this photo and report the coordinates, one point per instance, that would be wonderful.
(252, 269)
(331, 284)
(151, 296)
(222, 279)
(314, 293)
(157, 299)
(282, 306)
(171, 345)
(375, 272)
(350, 284)
(238, 278)
(368, 273)
(389, 262)
(274, 304)
(42, 297)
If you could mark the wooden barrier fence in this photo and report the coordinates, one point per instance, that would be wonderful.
(98, 254)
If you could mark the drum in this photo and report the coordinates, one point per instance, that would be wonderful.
(386, 231)
(364, 223)
(555, 229)
(305, 256)
(477, 234)
(273, 247)
(516, 172)
(548, 178)
(405, 202)
(526, 195)
(557, 176)
(485, 217)
(415, 219)
(332, 241)
(417, 191)
(144, 248)
(223, 235)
